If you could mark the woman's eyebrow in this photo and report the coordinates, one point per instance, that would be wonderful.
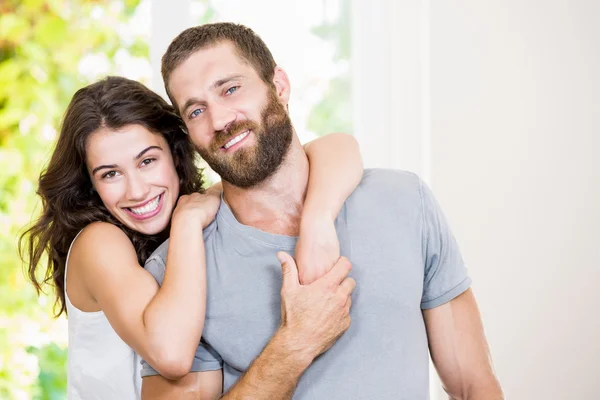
(140, 155)
(103, 167)
(147, 149)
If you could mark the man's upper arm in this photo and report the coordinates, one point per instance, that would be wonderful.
(206, 385)
(459, 349)
(445, 273)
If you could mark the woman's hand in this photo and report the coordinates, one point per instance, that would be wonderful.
(200, 207)
(318, 247)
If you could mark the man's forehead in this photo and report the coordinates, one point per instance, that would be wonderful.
(210, 63)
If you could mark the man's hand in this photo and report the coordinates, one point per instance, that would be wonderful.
(318, 247)
(314, 316)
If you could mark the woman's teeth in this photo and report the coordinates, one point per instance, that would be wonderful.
(151, 206)
(236, 139)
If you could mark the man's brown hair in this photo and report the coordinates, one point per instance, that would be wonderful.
(250, 47)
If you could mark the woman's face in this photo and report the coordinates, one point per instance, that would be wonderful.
(132, 170)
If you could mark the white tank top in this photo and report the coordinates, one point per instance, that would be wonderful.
(100, 366)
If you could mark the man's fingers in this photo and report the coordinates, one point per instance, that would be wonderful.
(339, 271)
(289, 270)
(348, 303)
(347, 286)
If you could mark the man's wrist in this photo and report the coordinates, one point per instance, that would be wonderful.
(287, 346)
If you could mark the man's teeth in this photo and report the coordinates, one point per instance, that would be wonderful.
(236, 139)
(147, 208)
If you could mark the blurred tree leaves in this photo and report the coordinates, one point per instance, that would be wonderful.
(334, 112)
(42, 43)
(52, 360)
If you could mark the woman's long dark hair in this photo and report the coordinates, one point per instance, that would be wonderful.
(69, 202)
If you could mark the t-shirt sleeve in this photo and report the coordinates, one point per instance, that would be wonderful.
(205, 359)
(156, 266)
(445, 275)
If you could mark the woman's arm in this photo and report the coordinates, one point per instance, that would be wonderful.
(163, 324)
(335, 171)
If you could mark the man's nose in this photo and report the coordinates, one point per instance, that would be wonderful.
(222, 117)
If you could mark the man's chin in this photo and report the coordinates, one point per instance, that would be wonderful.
(242, 179)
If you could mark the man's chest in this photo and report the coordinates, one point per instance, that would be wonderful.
(244, 283)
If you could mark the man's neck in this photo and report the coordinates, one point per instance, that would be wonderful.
(275, 205)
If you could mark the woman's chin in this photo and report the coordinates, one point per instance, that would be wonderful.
(152, 229)
(148, 228)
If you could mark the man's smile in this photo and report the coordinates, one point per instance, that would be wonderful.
(237, 139)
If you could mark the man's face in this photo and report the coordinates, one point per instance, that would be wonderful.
(238, 124)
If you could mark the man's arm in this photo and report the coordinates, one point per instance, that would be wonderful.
(460, 351)
(313, 317)
(274, 374)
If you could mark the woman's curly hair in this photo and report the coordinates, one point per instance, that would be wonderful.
(69, 202)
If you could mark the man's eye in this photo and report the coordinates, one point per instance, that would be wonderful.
(195, 113)
(232, 90)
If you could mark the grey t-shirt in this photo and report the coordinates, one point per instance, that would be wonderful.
(404, 259)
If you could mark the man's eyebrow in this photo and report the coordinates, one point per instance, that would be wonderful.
(223, 81)
(216, 84)
(189, 102)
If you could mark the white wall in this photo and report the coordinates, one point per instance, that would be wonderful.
(508, 96)
(497, 106)
(515, 136)
(169, 19)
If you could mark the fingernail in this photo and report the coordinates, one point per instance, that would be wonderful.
(281, 257)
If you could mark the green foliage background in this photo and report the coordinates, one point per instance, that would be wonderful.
(334, 112)
(41, 45)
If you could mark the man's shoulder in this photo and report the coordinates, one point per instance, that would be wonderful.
(157, 261)
(160, 254)
(386, 201)
(393, 184)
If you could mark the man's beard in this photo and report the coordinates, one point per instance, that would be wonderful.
(247, 167)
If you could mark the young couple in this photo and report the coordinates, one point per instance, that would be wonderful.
(227, 315)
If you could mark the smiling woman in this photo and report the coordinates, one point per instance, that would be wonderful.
(138, 187)
(121, 163)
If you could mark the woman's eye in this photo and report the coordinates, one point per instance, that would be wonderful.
(109, 174)
(232, 90)
(148, 161)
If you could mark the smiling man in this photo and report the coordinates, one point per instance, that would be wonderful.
(412, 292)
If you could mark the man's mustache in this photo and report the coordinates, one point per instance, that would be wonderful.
(235, 128)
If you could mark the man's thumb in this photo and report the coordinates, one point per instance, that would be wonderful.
(288, 269)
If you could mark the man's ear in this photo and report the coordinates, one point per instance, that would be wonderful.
(282, 85)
